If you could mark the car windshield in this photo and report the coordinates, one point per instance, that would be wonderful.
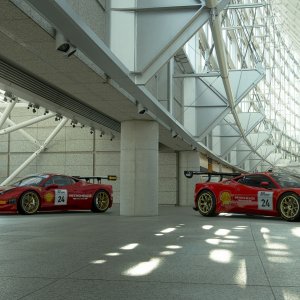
(285, 180)
(31, 180)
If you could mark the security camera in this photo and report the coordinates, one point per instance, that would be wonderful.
(63, 45)
(141, 109)
(174, 134)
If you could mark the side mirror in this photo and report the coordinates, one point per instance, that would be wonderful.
(265, 184)
(51, 186)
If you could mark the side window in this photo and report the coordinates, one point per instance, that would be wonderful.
(48, 182)
(69, 180)
(63, 180)
(264, 178)
(251, 181)
(255, 180)
(60, 180)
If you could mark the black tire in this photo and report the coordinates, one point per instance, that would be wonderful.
(289, 206)
(206, 203)
(101, 201)
(28, 203)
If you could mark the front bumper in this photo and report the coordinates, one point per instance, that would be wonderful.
(8, 205)
(195, 208)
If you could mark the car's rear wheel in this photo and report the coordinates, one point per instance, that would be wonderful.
(28, 203)
(100, 201)
(206, 202)
(289, 207)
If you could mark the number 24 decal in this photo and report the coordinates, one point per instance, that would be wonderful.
(61, 197)
(265, 200)
(265, 203)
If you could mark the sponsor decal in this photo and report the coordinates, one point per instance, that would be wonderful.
(244, 200)
(3, 201)
(80, 196)
(225, 198)
(49, 197)
(12, 201)
(244, 197)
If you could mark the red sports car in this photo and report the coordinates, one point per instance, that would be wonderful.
(53, 192)
(268, 193)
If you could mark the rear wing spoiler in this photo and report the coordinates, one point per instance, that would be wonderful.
(98, 178)
(190, 174)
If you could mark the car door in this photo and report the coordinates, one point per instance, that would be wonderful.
(81, 195)
(56, 192)
(253, 196)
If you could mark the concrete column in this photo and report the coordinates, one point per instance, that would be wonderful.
(188, 160)
(139, 168)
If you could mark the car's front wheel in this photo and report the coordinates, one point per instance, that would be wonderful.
(28, 203)
(289, 207)
(100, 201)
(206, 202)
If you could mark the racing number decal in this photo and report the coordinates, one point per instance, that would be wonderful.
(61, 197)
(265, 200)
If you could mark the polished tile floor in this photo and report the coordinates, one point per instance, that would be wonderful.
(176, 255)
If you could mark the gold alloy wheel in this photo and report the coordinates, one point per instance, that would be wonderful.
(102, 201)
(289, 207)
(205, 202)
(30, 202)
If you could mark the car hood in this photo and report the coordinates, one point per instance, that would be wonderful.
(6, 188)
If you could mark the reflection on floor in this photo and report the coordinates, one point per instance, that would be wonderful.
(176, 255)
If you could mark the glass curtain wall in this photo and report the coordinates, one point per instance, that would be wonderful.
(253, 38)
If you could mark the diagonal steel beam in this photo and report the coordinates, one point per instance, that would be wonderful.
(36, 153)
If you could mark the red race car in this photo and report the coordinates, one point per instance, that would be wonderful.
(268, 193)
(53, 192)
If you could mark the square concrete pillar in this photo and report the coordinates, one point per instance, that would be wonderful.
(188, 160)
(139, 168)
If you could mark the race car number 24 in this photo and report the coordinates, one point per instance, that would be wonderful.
(61, 197)
(265, 200)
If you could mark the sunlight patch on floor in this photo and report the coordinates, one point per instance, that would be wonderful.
(168, 230)
(207, 227)
(289, 294)
(232, 237)
(113, 254)
(219, 241)
(276, 246)
(241, 275)
(143, 268)
(241, 227)
(277, 252)
(167, 252)
(213, 241)
(173, 247)
(264, 230)
(129, 246)
(220, 255)
(280, 259)
(222, 232)
(296, 231)
(98, 262)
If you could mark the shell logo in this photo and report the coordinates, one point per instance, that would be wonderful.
(225, 197)
(49, 197)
